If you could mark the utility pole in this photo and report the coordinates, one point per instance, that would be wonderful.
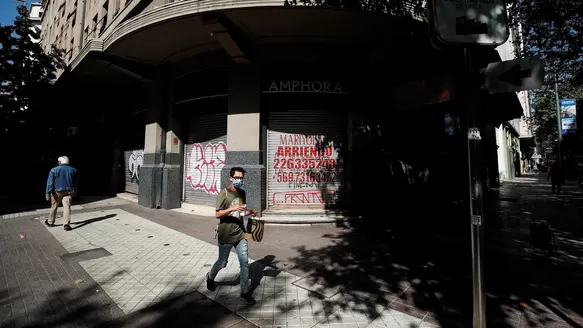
(476, 193)
(559, 125)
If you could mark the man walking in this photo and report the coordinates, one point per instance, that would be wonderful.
(230, 210)
(60, 188)
(556, 177)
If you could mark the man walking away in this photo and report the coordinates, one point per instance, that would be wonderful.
(61, 186)
(230, 211)
(556, 177)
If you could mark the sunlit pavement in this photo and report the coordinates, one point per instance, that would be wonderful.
(150, 263)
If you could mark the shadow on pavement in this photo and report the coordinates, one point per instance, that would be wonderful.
(11, 205)
(86, 309)
(80, 224)
(419, 268)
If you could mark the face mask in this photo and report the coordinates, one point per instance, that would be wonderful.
(238, 183)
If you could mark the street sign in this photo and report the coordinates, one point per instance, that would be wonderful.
(469, 22)
(514, 75)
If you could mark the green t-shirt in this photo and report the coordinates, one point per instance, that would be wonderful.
(231, 226)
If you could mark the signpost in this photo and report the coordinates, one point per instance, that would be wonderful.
(568, 116)
(514, 75)
(470, 24)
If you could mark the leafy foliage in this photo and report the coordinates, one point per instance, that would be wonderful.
(392, 7)
(551, 29)
(27, 73)
(543, 122)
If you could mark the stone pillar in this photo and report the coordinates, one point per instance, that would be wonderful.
(244, 142)
(151, 171)
(172, 172)
(151, 176)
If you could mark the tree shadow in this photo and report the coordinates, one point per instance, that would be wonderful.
(88, 305)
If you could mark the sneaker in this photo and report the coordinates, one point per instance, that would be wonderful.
(210, 283)
(67, 227)
(248, 298)
(49, 224)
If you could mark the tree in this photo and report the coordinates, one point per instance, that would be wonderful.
(551, 29)
(27, 73)
(543, 122)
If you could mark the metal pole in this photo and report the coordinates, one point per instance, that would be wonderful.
(559, 125)
(476, 199)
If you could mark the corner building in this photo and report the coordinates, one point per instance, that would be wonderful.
(161, 98)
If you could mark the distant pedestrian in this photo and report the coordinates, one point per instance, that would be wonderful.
(556, 177)
(61, 187)
(231, 210)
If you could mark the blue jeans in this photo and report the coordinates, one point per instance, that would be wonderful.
(241, 248)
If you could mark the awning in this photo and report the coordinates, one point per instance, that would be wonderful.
(498, 108)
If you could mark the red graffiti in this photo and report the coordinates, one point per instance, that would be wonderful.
(204, 165)
(302, 198)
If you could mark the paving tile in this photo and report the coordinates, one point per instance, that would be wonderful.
(171, 264)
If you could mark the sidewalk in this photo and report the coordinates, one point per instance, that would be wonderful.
(143, 266)
(146, 263)
(532, 289)
(43, 284)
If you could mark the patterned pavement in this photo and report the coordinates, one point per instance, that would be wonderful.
(150, 263)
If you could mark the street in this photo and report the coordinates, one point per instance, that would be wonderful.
(124, 265)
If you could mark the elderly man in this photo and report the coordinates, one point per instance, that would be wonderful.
(60, 189)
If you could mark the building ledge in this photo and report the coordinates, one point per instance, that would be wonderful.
(93, 45)
(179, 9)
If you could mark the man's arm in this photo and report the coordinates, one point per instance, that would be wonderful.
(50, 183)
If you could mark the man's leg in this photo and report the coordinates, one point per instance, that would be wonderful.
(55, 200)
(553, 184)
(224, 250)
(242, 249)
(66, 200)
(242, 253)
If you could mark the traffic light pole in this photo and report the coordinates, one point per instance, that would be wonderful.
(476, 195)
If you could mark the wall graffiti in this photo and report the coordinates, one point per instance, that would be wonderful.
(301, 197)
(302, 164)
(135, 162)
(204, 165)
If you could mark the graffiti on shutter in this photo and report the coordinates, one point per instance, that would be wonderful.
(302, 170)
(135, 161)
(204, 164)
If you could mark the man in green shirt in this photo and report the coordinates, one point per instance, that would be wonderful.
(230, 211)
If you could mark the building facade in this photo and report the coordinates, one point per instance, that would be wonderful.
(514, 138)
(163, 97)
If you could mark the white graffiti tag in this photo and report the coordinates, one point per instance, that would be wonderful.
(135, 162)
(204, 165)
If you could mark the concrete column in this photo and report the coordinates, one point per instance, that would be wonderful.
(161, 173)
(151, 171)
(244, 142)
(172, 172)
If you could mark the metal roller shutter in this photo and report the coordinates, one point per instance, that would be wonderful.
(134, 160)
(205, 153)
(303, 168)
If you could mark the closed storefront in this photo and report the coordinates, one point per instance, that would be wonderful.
(206, 148)
(201, 104)
(133, 151)
(303, 163)
(134, 160)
